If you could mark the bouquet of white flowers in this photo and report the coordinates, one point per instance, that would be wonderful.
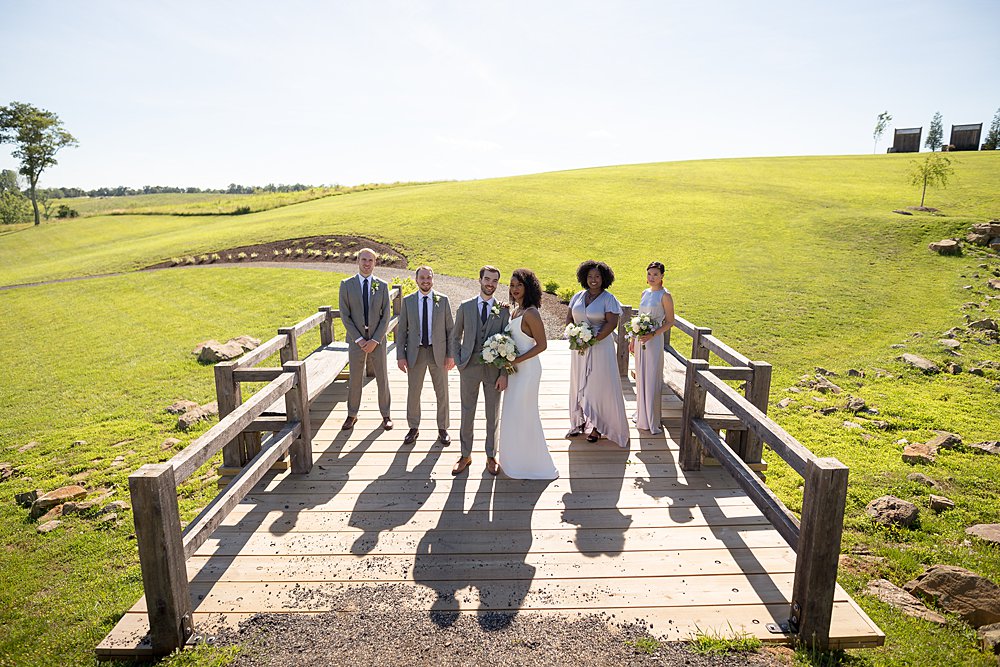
(580, 336)
(641, 325)
(499, 350)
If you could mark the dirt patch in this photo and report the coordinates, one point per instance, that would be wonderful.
(379, 627)
(309, 249)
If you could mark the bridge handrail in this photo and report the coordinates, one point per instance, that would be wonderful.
(817, 536)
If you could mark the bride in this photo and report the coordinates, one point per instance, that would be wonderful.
(523, 452)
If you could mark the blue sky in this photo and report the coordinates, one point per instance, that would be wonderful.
(210, 93)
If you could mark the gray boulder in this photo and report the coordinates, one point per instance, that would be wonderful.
(974, 598)
(988, 447)
(925, 365)
(990, 532)
(946, 247)
(890, 510)
(896, 597)
(989, 639)
(214, 351)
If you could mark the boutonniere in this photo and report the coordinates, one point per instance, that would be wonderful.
(374, 286)
(497, 307)
(437, 299)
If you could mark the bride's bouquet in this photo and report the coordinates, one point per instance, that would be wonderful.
(641, 325)
(499, 350)
(580, 336)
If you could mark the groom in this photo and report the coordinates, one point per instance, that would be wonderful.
(476, 320)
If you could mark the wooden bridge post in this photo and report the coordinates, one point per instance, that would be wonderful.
(228, 397)
(698, 351)
(818, 551)
(622, 350)
(297, 403)
(290, 350)
(694, 408)
(326, 326)
(161, 556)
(758, 393)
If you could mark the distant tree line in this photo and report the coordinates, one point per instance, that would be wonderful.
(125, 191)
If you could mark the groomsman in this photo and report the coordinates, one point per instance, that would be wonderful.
(364, 309)
(423, 342)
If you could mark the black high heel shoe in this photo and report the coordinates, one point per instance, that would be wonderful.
(594, 436)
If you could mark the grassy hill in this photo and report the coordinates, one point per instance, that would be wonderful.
(798, 261)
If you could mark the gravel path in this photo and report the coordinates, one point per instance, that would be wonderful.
(379, 628)
(457, 289)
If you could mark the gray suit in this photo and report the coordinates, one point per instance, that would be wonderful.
(420, 358)
(352, 313)
(467, 342)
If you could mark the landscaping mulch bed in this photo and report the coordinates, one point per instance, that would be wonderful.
(311, 249)
(380, 628)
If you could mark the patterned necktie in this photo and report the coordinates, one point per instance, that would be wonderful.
(482, 315)
(364, 297)
(425, 338)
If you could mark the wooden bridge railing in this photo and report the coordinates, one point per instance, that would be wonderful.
(816, 539)
(163, 547)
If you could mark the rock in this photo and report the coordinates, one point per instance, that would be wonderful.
(896, 597)
(829, 410)
(977, 239)
(850, 425)
(794, 390)
(53, 513)
(986, 324)
(989, 638)
(925, 365)
(76, 508)
(994, 283)
(784, 403)
(950, 343)
(915, 453)
(180, 407)
(944, 440)
(976, 599)
(169, 443)
(988, 447)
(976, 371)
(921, 478)
(190, 418)
(855, 404)
(989, 532)
(901, 211)
(946, 247)
(824, 386)
(82, 476)
(214, 351)
(880, 424)
(897, 346)
(822, 371)
(890, 510)
(49, 527)
(44, 503)
(6, 471)
(116, 506)
(940, 503)
(952, 368)
(882, 373)
(246, 342)
(25, 499)
(108, 518)
(23, 448)
(853, 372)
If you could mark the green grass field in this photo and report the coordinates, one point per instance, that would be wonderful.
(796, 261)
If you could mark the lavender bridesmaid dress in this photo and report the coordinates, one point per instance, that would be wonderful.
(649, 366)
(595, 388)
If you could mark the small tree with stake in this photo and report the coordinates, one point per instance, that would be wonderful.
(935, 134)
(881, 123)
(38, 135)
(933, 170)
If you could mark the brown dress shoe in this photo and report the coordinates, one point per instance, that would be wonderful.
(411, 436)
(492, 467)
(461, 465)
(386, 424)
(349, 423)
(443, 437)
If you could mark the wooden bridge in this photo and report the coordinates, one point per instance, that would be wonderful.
(677, 531)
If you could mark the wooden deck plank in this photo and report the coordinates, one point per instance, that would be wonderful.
(622, 532)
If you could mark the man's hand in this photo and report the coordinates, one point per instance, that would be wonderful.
(502, 383)
(369, 346)
(449, 363)
(403, 366)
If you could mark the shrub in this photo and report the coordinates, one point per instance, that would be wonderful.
(241, 256)
(203, 259)
(351, 244)
(565, 294)
(241, 210)
(408, 284)
(253, 255)
(190, 260)
(215, 257)
(330, 254)
(300, 252)
(229, 258)
(277, 253)
(337, 244)
(386, 258)
(288, 251)
(551, 286)
(174, 261)
(66, 212)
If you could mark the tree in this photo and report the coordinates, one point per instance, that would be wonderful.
(9, 182)
(13, 204)
(933, 170)
(38, 135)
(935, 134)
(993, 136)
(881, 123)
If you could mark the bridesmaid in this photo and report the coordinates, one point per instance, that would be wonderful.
(657, 302)
(596, 404)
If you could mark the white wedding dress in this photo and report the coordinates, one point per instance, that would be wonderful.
(523, 451)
